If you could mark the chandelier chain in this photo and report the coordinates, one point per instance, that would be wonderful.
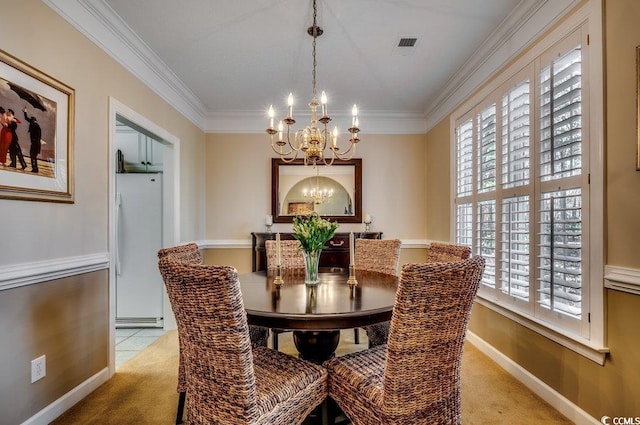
(315, 35)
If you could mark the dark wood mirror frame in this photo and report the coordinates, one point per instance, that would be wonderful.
(356, 163)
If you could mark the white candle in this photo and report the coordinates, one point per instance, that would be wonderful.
(367, 218)
(351, 249)
(323, 102)
(290, 103)
(271, 115)
(278, 248)
(268, 220)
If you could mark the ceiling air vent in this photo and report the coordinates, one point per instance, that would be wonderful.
(405, 47)
(407, 42)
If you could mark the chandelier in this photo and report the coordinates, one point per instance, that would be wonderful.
(317, 195)
(311, 141)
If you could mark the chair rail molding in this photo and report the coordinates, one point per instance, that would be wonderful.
(622, 279)
(246, 243)
(16, 275)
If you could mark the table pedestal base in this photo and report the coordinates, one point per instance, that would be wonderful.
(316, 346)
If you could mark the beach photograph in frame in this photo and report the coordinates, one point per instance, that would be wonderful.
(36, 134)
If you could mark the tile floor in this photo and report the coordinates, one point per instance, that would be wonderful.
(131, 341)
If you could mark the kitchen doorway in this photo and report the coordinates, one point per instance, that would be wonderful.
(167, 148)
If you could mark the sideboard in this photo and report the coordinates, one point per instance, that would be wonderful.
(335, 254)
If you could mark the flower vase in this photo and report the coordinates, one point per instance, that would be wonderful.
(311, 263)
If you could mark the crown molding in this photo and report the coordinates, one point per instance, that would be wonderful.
(378, 122)
(99, 23)
(523, 25)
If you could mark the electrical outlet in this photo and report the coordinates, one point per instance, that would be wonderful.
(38, 368)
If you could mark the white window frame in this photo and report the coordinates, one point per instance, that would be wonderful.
(590, 340)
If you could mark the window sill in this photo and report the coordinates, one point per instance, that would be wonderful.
(583, 347)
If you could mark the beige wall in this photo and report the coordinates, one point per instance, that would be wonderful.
(75, 334)
(65, 319)
(239, 191)
(623, 181)
(438, 188)
(239, 185)
(612, 389)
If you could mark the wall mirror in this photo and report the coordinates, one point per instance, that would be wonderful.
(334, 192)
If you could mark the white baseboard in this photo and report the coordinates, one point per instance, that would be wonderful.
(64, 403)
(544, 391)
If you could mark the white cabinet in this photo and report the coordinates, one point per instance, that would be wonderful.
(142, 154)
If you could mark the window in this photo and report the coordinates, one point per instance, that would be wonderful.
(522, 187)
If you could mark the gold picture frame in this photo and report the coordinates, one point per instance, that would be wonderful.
(638, 108)
(36, 135)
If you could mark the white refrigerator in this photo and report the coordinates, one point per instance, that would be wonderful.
(139, 286)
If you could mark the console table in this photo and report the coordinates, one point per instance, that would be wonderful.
(335, 254)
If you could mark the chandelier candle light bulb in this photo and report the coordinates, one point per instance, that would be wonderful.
(271, 115)
(290, 103)
(323, 102)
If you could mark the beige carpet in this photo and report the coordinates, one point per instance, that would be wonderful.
(143, 390)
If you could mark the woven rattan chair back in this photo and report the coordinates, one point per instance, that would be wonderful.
(421, 379)
(208, 304)
(229, 381)
(290, 255)
(378, 255)
(188, 253)
(439, 252)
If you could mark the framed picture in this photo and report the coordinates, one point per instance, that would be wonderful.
(36, 134)
(638, 107)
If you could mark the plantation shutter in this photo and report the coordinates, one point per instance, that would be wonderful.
(560, 205)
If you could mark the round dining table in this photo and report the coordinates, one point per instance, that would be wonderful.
(316, 313)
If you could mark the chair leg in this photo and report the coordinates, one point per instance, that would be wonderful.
(326, 412)
(356, 335)
(274, 340)
(181, 399)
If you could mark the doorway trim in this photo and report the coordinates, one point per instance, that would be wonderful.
(171, 205)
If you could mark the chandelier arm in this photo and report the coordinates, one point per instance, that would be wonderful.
(279, 151)
(342, 156)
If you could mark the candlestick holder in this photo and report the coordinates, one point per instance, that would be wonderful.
(367, 223)
(352, 281)
(278, 280)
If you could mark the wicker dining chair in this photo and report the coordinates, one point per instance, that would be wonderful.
(290, 255)
(190, 253)
(415, 377)
(290, 258)
(438, 252)
(229, 380)
(378, 255)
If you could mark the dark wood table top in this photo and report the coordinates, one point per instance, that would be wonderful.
(329, 305)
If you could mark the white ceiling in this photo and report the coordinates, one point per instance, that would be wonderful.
(227, 58)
